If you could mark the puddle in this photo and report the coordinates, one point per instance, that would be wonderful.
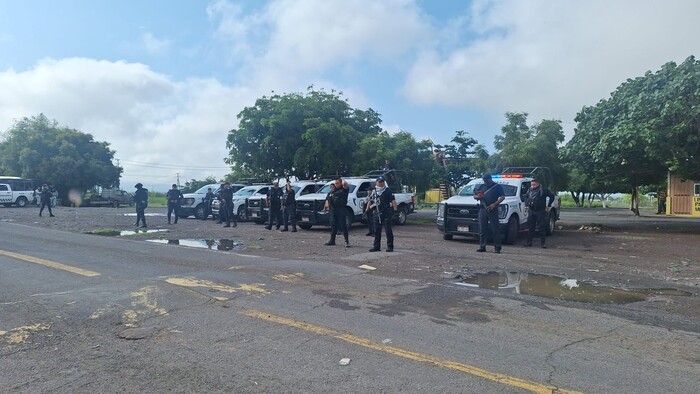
(559, 288)
(146, 214)
(213, 244)
(136, 232)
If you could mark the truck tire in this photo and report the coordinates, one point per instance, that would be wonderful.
(447, 237)
(551, 222)
(512, 231)
(115, 204)
(403, 215)
(199, 212)
(21, 201)
(305, 226)
(242, 214)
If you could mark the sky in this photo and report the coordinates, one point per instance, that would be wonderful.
(162, 81)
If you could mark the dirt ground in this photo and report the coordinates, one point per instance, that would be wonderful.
(604, 247)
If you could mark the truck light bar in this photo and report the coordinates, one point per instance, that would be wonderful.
(499, 176)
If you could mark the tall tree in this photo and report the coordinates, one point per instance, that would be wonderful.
(40, 148)
(302, 135)
(520, 145)
(194, 184)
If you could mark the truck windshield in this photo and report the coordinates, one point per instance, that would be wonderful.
(246, 191)
(327, 188)
(468, 190)
(203, 189)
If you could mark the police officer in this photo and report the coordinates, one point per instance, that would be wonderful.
(220, 196)
(227, 205)
(141, 202)
(537, 209)
(45, 200)
(289, 208)
(174, 197)
(274, 201)
(369, 209)
(336, 202)
(384, 207)
(208, 198)
(489, 194)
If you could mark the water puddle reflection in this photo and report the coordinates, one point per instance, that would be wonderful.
(146, 214)
(139, 231)
(213, 244)
(560, 288)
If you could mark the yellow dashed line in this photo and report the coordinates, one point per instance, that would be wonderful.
(49, 263)
(453, 365)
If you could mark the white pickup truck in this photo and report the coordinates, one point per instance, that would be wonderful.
(9, 197)
(459, 215)
(256, 206)
(193, 203)
(310, 210)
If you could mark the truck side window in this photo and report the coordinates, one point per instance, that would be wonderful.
(524, 187)
(308, 190)
(3, 188)
(264, 190)
(362, 190)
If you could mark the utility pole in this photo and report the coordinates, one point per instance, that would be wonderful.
(120, 176)
(178, 179)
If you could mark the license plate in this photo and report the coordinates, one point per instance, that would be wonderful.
(305, 218)
(254, 214)
(463, 229)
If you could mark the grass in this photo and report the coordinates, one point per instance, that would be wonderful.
(623, 201)
(110, 232)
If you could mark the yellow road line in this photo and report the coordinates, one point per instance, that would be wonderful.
(49, 263)
(457, 366)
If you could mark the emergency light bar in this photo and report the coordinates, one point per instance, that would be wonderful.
(499, 176)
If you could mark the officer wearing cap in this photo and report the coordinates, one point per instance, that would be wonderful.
(174, 197)
(141, 202)
(274, 201)
(336, 202)
(384, 207)
(537, 208)
(490, 195)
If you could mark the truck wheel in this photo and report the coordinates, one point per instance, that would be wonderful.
(512, 231)
(199, 212)
(552, 222)
(115, 204)
(305, 226)
(447, 237)
(403, 215)
(242, 214)
(21, 201)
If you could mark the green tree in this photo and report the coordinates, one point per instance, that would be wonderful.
(302, 135)
(520, 145)
(194, 184)
(39, 148)
(460, 161)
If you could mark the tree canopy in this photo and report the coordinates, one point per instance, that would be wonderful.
(40, 148)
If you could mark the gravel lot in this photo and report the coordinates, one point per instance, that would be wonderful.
(607, 247)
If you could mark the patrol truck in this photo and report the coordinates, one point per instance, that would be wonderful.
(459, 215)
(256, 206)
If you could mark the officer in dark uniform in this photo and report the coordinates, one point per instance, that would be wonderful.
(227, 205)
(289, 204)
(45, 200)
(385, 206)
(141, 202)
(274, 201)
(490, 194)
(219, 196)
(537, 209)
(337, 202)
(208, 198)
(174, 197)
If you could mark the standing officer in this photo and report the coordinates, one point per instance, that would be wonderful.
(220, 196)
(45, 200)
(289, 206)
(337, 201)
(208, 198)
(537, 209)
(490, 194)
(227, 205)
(385, 206)
(174, 197)
(274, 201)
(141, 202)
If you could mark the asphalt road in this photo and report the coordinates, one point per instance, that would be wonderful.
(209, 321)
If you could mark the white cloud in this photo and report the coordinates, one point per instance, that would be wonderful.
(145, 116)
(550, 58)
(154, 45)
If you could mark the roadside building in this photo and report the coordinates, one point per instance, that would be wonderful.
(683, 197)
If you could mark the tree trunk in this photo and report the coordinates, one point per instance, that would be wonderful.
(634, 203)
(602, 199)
(575, 196)
(591, 196)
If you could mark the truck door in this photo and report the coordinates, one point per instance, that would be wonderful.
(5, 194)
(362, 197)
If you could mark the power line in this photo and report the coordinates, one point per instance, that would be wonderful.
(171, 166)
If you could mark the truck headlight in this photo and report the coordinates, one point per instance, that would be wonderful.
(189, 201)
(440, 213)
(502, 211)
